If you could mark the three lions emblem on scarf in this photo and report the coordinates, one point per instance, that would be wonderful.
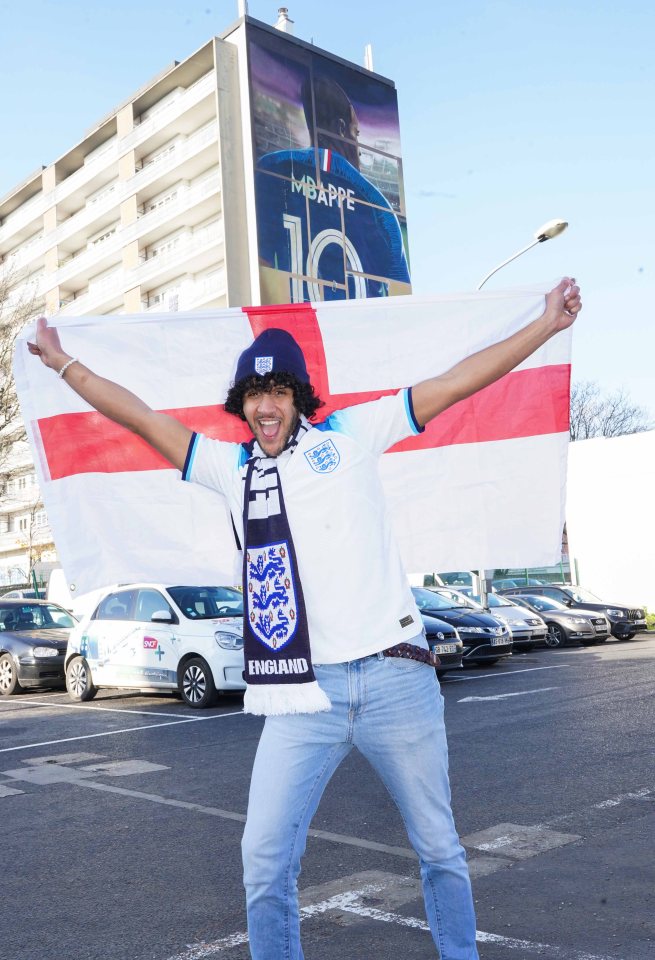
(272, 606)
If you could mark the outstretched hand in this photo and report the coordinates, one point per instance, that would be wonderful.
(563, 304)
(47, 346)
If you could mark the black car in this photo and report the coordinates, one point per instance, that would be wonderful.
(625, 621)
(33, 639)
(566, 626)
(443, 640)
(485, 638)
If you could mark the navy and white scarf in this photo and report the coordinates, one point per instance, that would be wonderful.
(277, 651)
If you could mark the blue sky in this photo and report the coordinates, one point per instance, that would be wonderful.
(511, 113)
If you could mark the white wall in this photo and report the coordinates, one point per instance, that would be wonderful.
(610, 515)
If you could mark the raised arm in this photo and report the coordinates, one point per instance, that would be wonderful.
(166, 434)
(431, 397)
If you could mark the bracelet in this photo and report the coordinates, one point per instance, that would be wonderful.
(66, 366)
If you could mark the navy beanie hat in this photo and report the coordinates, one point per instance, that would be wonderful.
(273, 351)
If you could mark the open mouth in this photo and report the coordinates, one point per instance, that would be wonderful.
(269, 428)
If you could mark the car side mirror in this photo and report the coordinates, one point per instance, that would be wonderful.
(163, 616)
(569, 601)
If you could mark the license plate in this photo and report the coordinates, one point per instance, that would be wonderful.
(499, 641)
(444, 648)
(639, 623)
(600, 628)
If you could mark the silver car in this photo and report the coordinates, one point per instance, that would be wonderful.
(526, 626)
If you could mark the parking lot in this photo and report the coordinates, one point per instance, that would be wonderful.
(122, 820)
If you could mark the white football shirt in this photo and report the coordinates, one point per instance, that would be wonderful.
(356, 591)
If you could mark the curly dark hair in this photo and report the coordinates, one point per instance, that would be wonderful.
(304, 399)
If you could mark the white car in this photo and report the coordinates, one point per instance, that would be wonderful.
(147, 636)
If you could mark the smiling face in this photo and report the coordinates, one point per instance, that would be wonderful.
(271, 415)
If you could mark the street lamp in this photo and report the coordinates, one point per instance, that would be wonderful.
(549, 230)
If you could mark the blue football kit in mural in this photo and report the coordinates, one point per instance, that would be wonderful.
(330, 225)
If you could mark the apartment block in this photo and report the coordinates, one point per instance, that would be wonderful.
(210, 187)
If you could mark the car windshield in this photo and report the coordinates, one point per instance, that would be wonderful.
(495, 601)
(442, 600)
(34, 616)
(580, 595)
(457, 599)
(543, 603)
(207, 603)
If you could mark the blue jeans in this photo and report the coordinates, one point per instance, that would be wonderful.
(392, 711)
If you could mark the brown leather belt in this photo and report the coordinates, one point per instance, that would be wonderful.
(411, 652)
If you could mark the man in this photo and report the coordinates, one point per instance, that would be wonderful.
(330, 225)
(333, 646)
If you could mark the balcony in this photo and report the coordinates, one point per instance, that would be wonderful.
(198, 252)
(162, 170)
(86, 173)
(106, 294)
(91, 261)
(28, 213)
(179, 212)
(82, 220)
(29, 254)
(195, 94)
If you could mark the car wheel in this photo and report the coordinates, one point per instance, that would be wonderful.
(8, 676)
(555, 637)
(197, 684)
(79, 682)
(629, 636)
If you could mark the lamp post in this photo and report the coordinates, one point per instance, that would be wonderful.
(551, 229)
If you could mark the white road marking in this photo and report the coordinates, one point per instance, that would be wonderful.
(114, 733)
(95, 708)
(350, 902)
(504, 696)
(8, 791)
(503, 673)
(518, 841)
(646, 793)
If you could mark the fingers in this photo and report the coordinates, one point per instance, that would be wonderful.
(32, 347)
(572, 301)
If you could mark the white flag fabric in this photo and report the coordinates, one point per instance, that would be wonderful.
(482, 487)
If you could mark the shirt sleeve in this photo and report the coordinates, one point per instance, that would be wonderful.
(378, 424)
(210, 463)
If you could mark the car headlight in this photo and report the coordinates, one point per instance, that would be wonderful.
(45, 652)
(473, 629)
(228, 641)
(578, 620)
(615, 613)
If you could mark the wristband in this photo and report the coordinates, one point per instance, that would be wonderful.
(66, 366)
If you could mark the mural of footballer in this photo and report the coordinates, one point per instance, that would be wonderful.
(325, 231)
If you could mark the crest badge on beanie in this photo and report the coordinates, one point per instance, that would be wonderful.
(263, 365)
(273, 350)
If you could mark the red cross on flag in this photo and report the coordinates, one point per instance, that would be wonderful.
(483, 485)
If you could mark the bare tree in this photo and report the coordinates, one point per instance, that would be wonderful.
(18, 303)
(599, 413)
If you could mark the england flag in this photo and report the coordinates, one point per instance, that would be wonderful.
(483, 486)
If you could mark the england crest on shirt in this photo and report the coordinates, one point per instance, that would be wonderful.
(324, 457)
(263, 365)
(271, 595)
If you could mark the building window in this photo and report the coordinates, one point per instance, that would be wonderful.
(22, 523)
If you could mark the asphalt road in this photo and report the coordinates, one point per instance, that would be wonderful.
(122, 819)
